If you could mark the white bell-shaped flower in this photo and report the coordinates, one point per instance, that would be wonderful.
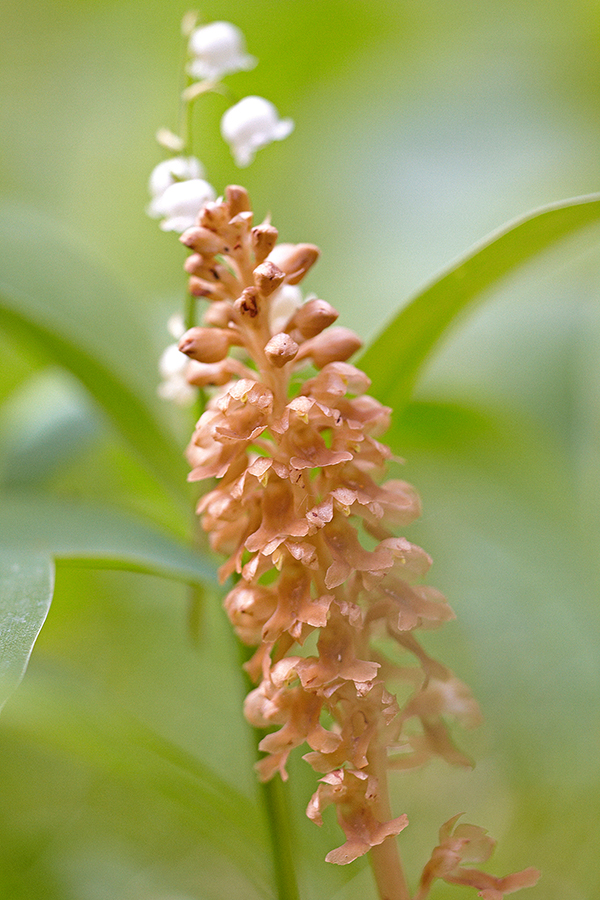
(181, 202)
(216, 50)
(169, 171)
(251, 124)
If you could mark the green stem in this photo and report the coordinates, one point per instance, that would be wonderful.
(274, 797)
(275, 801)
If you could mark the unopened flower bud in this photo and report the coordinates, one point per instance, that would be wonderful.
(194, 264)
(202, 240)
(237, 199)
(199, 287)
(206, 345)
(170, 141)
(219, 314)
(251, 124)
(295, 260)
(281, 349)
(313, 317)
(248, 302)
(216, 50)
(336, 345)
(204, 374)
(264, 238)
(268, 277)
(214, 216)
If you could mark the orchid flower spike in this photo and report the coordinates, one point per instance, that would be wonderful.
(218, 49)
(251, 124)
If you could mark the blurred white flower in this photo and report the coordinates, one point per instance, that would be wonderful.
(181, 202)
(176, 326)
(251, 124)
(216, 50)
(169, 171)
(172, 366)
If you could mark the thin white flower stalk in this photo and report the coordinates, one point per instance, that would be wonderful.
(308, 526)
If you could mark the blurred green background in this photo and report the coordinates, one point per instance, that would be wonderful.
(420, 127)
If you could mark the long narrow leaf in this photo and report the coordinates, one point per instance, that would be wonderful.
(74, 311)
(126, 411)
(394, 360)
(26, 586)
(98, 536)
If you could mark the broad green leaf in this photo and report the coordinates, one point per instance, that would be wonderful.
(394, 360)
(26, 586)
(98, 536)
(79, 316)
(72, 717)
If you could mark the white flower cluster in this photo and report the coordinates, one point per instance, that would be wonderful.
(177, 188)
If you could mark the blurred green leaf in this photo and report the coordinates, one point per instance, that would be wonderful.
(394, 360)
(77, 314)
(45, 425)
(66, 715)
(100, 537)
(26, 586)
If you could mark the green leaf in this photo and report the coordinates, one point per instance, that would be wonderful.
(26, 586)
(98, 536)
(70, 308)
(394, 360)
(101, 537)
(70, 716)
(45, 426)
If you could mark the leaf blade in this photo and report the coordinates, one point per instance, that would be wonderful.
(395, 358)
(70, 716)
(82, 317)
(26, 588)
(88, 534)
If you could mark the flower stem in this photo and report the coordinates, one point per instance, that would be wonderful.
(276, 807)
(385, 858)
(275, 803)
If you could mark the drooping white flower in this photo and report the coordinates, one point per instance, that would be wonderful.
(174, 386)
(181, 202)
(169, 171)
(216, 50)
(251, 124)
